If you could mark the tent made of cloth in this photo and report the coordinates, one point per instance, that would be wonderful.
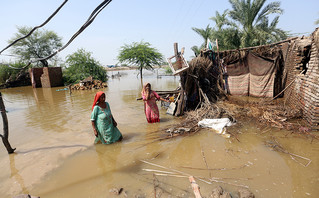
(253, 75)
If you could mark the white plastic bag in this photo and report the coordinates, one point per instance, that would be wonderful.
(216, 124)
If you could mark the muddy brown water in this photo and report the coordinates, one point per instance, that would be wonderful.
(56, 157)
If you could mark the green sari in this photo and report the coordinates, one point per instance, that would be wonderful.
(107, 132)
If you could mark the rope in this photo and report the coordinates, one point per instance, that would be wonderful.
(288, 85)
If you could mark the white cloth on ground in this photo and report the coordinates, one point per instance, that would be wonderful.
(216, 124)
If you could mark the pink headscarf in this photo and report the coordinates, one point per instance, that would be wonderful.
(96, 98)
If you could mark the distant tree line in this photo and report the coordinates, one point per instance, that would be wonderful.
(78, 65)
(40, 44)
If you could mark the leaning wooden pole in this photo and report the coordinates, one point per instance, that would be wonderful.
(180, 104)
(5, 136)
(220, 68)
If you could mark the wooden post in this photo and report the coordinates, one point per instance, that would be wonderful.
(180, 105)
(221, 70)
(195, 187)
(5, 135)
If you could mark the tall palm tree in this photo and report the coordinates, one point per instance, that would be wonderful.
(196, 50)
(204, 33)
(221, 19)
(317, 22)
(251, 18)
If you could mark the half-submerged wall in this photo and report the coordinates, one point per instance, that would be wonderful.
(46, 77)
(302, 69)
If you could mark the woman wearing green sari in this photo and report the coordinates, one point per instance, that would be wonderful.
(104, 126)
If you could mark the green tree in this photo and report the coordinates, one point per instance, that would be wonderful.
(140, 54)
(39, 44)
(168, 70)
(246, 24)
(317, 22)
(227, 34)
(196, 50)
(221, 19)
(204, 33)
(251, 19)
(7, 71)
(81, 65)
(228, 38)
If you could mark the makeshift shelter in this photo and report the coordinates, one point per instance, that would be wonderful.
(253, 72)
(203, 80)
(287, 69)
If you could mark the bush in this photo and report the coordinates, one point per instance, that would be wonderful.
(81, 65)
(168, 70)
(7, 72)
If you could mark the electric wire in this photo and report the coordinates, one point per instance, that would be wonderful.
(84, 26)
(36, 27)
(91, 18)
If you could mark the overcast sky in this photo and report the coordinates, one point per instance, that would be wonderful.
(159, 22)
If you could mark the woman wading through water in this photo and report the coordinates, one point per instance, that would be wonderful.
(150, 107)
(104, 126)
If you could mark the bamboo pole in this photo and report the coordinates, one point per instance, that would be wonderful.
(195, 187)
(268, 45)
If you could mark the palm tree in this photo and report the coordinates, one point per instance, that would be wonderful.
(227, 35)
(204, 33)
(317, 22)
(251, 20)
(221, 19)
(196, 50)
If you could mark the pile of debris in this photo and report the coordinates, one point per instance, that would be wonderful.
(203, 81)
(88, 84)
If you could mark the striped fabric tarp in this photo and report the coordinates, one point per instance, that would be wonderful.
(251, 76)
(238, 85)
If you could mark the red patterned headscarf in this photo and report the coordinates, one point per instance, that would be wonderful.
(96, 98)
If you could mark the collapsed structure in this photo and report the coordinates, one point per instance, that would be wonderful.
(288, 69)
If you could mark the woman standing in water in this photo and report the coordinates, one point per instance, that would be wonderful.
(150, 107)
(103, 123)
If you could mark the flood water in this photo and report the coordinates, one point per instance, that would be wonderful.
(55, 155)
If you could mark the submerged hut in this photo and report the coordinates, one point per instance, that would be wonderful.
(288, 69)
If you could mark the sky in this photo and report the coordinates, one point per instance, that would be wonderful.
(158, 22)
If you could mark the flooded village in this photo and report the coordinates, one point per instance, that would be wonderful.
(270, 149)
(233, 123)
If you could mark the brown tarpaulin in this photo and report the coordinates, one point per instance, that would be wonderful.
(252, 75)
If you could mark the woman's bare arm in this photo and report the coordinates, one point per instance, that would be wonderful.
(94, 129)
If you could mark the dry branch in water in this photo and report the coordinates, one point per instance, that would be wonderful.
(277, 147)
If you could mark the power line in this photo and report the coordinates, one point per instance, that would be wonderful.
(5, 64)
(91, 18)
(97, 10)
(36, 27)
